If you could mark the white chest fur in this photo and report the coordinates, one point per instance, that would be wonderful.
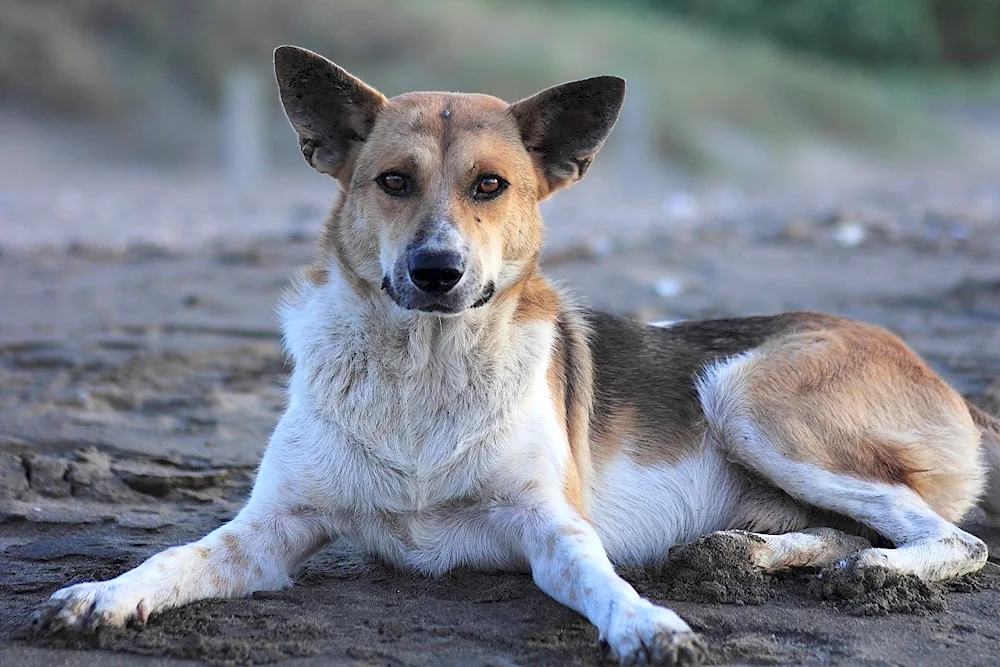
(402, 423)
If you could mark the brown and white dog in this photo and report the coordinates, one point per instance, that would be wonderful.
(448, 407)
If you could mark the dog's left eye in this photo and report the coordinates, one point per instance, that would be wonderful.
(394, 183)
(488, 186)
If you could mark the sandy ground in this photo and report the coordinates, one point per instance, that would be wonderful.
(140, 373)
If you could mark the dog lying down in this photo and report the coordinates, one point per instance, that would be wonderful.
(449, 407)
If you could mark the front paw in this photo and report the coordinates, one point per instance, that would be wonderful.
(87, 607)
(644, 634)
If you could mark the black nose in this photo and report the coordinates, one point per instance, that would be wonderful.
(436, 271)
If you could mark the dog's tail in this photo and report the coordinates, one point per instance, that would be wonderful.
(990, 427)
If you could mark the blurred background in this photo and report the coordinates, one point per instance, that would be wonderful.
(102, 100)
(835, 155)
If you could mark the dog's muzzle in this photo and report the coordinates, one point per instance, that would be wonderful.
(445, 304)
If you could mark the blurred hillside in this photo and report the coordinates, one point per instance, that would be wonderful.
(145, 79)
(877, 33)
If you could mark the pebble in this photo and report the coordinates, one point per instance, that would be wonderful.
(48, 476)
(668, 287)
(13, 479)
(850, 234)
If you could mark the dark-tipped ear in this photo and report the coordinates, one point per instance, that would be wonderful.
(564, 126)
(331, 111)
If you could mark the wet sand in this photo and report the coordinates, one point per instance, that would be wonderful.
(138, 384)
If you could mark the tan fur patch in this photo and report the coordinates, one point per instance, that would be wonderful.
(556, 379)
(537, 300)
(570, 380)
(854, 399)
(622, 431)
(616, 427)
(236, 555)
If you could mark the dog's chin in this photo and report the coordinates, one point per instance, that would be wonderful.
(442, 307)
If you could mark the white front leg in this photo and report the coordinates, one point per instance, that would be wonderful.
(257, 550)
(253, 552)
(569, 563)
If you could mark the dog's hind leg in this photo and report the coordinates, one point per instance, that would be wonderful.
(853, 423)
(925, 544)
(812, 547)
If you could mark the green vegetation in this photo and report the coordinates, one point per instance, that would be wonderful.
(896, 33)
(703, 91)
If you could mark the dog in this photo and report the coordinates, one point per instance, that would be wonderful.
(449, 407)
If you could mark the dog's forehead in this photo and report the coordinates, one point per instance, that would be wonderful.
(448, 115)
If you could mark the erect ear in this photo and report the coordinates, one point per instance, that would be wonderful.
(331, 111)
(564, 126)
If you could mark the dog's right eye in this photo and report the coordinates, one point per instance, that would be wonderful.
(395, 184)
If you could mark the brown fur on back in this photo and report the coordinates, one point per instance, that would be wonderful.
(847, 396)
(644, 378)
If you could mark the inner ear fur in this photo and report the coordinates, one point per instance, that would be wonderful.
(330, 110)
(563, 127)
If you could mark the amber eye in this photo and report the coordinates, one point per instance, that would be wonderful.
(489, 186)
(394, 183)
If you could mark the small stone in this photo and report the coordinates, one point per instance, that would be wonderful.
(850, 234)
(90, 476)
(47, 476)
(156, 481)
(13, 476)
(668, 287)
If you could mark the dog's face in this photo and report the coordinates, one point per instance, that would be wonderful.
(445, 190)
(441, 189)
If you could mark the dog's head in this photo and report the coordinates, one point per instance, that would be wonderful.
(441, 189)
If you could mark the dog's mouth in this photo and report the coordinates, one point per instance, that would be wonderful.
(442, 305)
(487, 294)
